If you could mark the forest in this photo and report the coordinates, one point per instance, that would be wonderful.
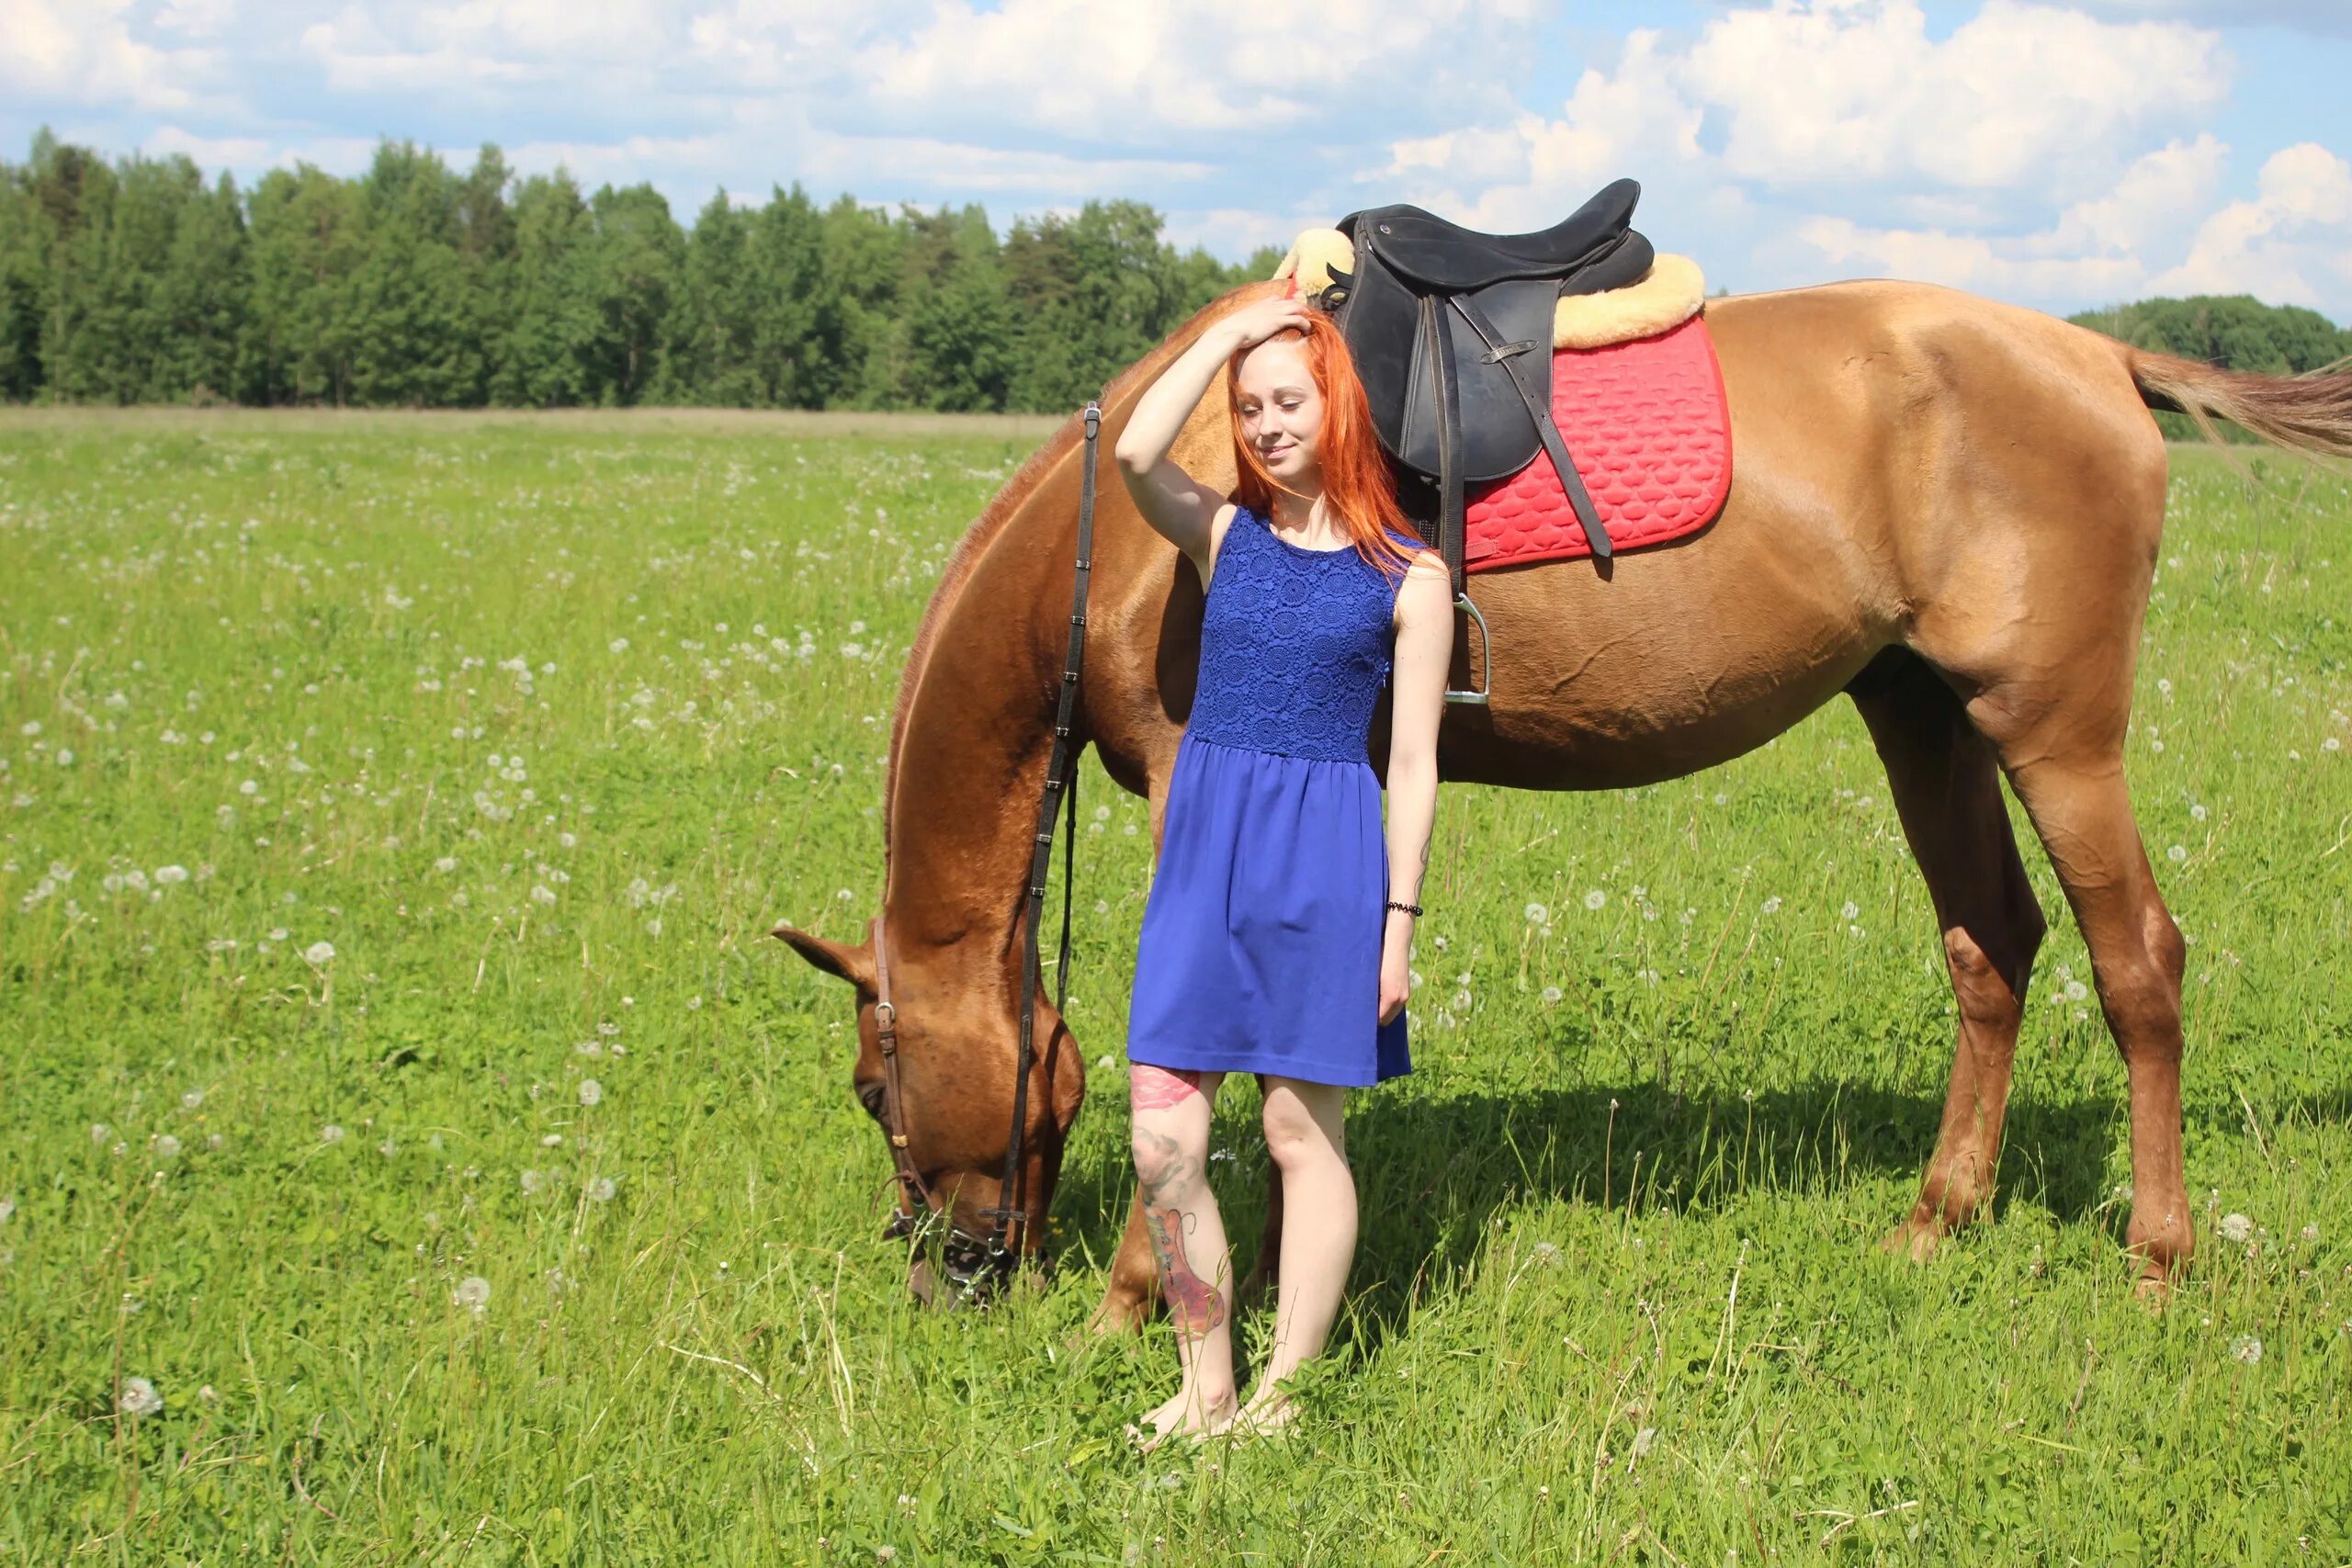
(415, 285)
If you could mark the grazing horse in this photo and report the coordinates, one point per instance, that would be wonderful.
(1945, 508)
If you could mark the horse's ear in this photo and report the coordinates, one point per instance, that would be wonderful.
(855, 965)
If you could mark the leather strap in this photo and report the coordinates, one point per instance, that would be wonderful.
(1507, 355)
(1451, 528)
(894, 1100)
(1012, 1212)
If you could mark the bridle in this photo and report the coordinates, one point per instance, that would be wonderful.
(971, 1261)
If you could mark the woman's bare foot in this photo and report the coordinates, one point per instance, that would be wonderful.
(1271, 1410)
(1185, 1415)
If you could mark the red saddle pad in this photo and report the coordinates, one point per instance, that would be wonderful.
(1648, 430)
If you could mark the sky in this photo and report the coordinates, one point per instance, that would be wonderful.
(2060, 155)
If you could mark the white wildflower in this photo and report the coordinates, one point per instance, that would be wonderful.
(1538, 915)
(140, 1398)
(590, 1091)
(472, 1293)
(2236, 1229)
(1595, 899)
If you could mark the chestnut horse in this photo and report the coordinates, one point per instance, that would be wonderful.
(1946, 509)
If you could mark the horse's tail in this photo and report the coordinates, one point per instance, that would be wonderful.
(2311, 412)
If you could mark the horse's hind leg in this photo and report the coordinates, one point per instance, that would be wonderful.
(2080, 807)
(1946, 788)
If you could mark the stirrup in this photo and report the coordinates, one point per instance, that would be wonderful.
(1485, 657)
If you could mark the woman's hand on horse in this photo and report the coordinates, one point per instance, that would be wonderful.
(1255, 323)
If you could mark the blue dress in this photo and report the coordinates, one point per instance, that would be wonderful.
(1261, 934)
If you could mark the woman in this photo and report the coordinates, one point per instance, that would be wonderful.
(1266, 947)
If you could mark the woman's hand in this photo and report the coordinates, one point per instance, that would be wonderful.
(1396, 964)
(1254, 323)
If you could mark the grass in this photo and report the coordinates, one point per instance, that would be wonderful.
(514, 718)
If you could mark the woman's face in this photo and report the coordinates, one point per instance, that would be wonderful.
(1282, 409)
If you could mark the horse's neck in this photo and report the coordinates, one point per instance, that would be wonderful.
(971, 769)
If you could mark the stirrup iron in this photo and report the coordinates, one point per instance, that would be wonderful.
(1486, 656)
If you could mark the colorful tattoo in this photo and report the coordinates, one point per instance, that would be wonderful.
(1157, 1089)
(1192, 1301)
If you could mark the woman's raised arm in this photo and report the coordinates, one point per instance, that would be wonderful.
(1171, 499)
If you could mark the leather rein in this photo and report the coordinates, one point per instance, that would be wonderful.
(970, 1259)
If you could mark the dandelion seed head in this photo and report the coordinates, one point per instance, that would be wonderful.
(166, 1146)
(2245, 1348)
(1537, 915)
(601, 1190)
(1849, 910)
(330, 1133)
(1595, 899)
(590, 1091)
(319, 952)
(140, 1398)
(2236, 1229)
(472, 1293)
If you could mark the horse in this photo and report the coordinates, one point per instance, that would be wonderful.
(1946, 508)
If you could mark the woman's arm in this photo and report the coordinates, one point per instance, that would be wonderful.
(1416, 703)
(1171, 499)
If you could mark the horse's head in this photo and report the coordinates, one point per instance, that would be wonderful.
(955, 1034)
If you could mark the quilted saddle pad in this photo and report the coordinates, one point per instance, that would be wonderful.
(1649, 431)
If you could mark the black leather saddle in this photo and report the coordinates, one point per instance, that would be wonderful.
(1452, 334)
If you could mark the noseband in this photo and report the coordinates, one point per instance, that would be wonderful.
(969, 1261)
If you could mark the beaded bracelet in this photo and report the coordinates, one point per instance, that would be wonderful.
(1409, 908)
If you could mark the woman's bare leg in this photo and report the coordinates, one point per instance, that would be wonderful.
(1304, 1139)
(1170, 1135)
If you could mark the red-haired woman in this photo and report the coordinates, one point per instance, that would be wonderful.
(1279, 926)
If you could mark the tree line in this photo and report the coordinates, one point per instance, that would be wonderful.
(414, 284)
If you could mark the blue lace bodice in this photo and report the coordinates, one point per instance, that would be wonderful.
(1295, 645)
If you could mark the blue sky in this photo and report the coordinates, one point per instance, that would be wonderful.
(2056, 154)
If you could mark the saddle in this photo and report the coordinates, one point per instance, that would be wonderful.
(1452, 332)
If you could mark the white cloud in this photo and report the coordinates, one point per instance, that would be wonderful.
(2288, 245)
(81, 52)
(1148, 70)
(2292, 245)
(1847, 89)
(1534, 171)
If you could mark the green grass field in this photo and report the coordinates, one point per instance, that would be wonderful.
(375, 788)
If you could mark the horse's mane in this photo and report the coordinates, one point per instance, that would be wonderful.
(991, 522)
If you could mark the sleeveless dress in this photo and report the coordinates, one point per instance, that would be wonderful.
(1261, 934)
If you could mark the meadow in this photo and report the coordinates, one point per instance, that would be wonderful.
(412, 1150)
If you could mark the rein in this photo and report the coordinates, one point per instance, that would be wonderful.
(968, 1256)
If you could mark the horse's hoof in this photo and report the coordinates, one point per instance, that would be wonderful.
(1918, 1242)
(1119, 1314)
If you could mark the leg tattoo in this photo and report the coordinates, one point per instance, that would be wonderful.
(1157, 1089)
(1192, 1300)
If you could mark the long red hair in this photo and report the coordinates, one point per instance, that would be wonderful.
(1357, 490)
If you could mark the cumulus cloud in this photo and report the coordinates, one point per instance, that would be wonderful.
(1148, 70)
(2290, 244)
(81, 52)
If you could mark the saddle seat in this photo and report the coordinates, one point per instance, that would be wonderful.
(1430, 251)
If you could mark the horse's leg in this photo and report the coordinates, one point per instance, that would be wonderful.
(2082, 813)
(1947, 789)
